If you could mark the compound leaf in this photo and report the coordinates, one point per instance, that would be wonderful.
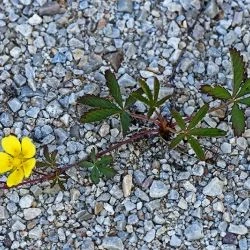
(107, 171)
(114, 87)
(86, 164)
(104, 161)
(216, 91)
(238, 66)
(245, 101)
(198, 116)
(245, 90)
(175, 141)
(196, 147)
(162, 101)
(179, 120)
(131, 99)
(150, 111)
(95, 175)
(238, 120)
(211, 132)
(96, 102)
(146, 89)
(96, 115)
(141, 98)
(125, 122)
(156, 89)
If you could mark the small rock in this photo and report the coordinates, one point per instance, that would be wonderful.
(87, 244)
(175, 241)
(26, 201)
(36, 233)
(24, 29)
(112, 243)
(51, 9)
(3, 213)
(104, 130)
(212, 69)
(14, 104)
(150, 235)
(158, 189)
(226, 148)
(242, 143)
(237, 229)
(31, 213)
(35, 20)
(246, 183)
(125, 6)
(33, 112)
(214, 187)
(212, 9)
(127, 185)
(244, 206)
(194, 231)
(127, 81)
(18, 226)
(6, 119)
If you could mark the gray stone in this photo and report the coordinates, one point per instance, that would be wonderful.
(226, 148)
(243, 245)
(127, 81)
(133, 219)
(33, 112)
(18, 226)
(19, 79)
(212, 69)
(212, 9)
(6, 119)
(139, 177)
(87, 244)
(59, 58)
(141, 194)
(230, 38)
(51, 9)
(31, 213)
(214, 187)
(37, 59)
(158, 189)
(14, 104)
(36, 233)
(237, 229)
(173, 29)
(194, 231)
(173, 195)
(150, 235)
(75, 43)
(125, 6)
(244, 206)
(3, 213)
(61, 135)
(246, 183)
(112, 243)
(24, 29)
(26, 201)
(30, 74)
(25, 2)
(54, 109)
(35, 20)
(175, 241)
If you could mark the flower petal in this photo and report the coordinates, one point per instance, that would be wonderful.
(15, 177)
(28, 166)
(5, 162)
(11, 145)
(28, 148)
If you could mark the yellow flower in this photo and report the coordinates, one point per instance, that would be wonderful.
(17, 159)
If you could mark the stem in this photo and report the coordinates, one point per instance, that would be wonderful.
(133, 138)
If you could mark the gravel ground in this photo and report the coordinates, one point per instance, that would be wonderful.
(52, 53)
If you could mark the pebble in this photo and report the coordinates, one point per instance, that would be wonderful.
(6, 119)
(194, 231)
(127, 185)
(36, 233)
(112, 243)
(125, 6)
(244, 206)
(18, 226)
(175, 241)
(51, 9)
(31, 213)
(14, 104)
(35, 20)
(150, 235)
(158, 189)
(26, 201)
(226, 148)
(24, 29)
(214, 187)
(237, 229)
(3, 213)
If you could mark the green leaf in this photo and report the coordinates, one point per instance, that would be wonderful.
(146, 89)
(46, 153)
(211, 132)
(162, 101)
(95, 175)
(96, 115)
(60, 183)
(238, 120)
(86, 164)
(175, 141)
(238, 66)
(141, 98)
(114, 87)
(107, 171)
(92, 155)
(131, 99)
(197, 148)
(53, 156)
(104, 161)
(216, 91)
(245, 89)
(96, 102)
(198, 116)
(245, 101)
(179, 120)
(150, 111)
(41, 164)
(156, 89)
(125, 122)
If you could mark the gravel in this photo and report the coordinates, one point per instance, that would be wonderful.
(51, 53)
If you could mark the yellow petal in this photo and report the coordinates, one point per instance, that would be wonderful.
(5, 162)
(28, 166)
(28, 148)
(15, 177)
(11, 145)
